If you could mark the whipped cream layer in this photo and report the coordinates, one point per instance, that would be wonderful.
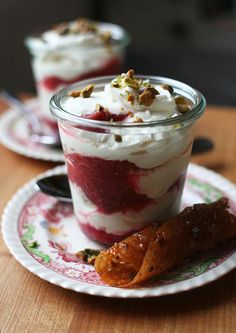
(126, 93)
(68, 65)
(54, 39)
(145, 147)
(115, 99)
(80, 33)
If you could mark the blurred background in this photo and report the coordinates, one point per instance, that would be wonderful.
(193, 41)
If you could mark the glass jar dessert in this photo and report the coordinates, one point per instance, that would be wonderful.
(127, 143)
(70, 52)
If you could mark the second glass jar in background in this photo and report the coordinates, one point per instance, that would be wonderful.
(58, 65)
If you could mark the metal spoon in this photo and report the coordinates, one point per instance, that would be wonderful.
(202, 145)
(58, 186)
(35, 125)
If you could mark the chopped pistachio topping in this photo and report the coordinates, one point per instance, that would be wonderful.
(130, 73)
(182, 104)
(99, 107)
(84, 93)
(116, 83)
(87, 91)
(82, 25)
(138, 119)
(143, 91)
(85, 25)
(62, 29)
(131, 98)
(146, 98)
(106, 37)
(183, 108)
(126, 80)
(132, 83)
(180, 100)
(118, 138)
(167, 87)
(75, 93)
(152, 90)
(88, 255)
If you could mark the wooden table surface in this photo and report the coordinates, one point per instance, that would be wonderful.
(29, 304)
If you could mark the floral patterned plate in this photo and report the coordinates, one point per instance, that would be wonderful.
(42, 234)
(14, 136)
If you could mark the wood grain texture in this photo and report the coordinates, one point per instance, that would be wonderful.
(29, 304)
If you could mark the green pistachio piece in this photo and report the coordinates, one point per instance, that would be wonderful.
(118, 138)
(183, 108)
(167, 87)
(131, 83)
(180, 100)
(88, 255)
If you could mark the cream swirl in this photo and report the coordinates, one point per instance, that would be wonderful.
(76, 35)
(122, 98)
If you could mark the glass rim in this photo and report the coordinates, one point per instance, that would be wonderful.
(124, 40)
(197, 110)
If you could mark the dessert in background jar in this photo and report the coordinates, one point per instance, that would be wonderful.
(70, 52)
(127, 143)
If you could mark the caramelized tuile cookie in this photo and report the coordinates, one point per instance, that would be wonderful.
(157, 249)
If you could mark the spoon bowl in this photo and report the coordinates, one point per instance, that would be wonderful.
(202, 145)
(56, 186)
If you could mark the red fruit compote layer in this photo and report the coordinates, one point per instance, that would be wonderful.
(127, 177)
(73, 51)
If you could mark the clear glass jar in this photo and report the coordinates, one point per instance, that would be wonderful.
(124, 176)
(54, 68)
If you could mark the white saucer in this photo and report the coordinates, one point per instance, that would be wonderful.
(32, 216)
(14, 135)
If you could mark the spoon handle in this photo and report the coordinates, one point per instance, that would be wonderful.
(36, 130)
(12, 100)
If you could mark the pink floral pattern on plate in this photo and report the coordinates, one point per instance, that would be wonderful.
(49, 232)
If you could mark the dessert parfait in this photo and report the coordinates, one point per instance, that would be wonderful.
(70, 52)
(127, 143)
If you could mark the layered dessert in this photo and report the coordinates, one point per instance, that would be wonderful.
(127, 144)
(73, 51)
